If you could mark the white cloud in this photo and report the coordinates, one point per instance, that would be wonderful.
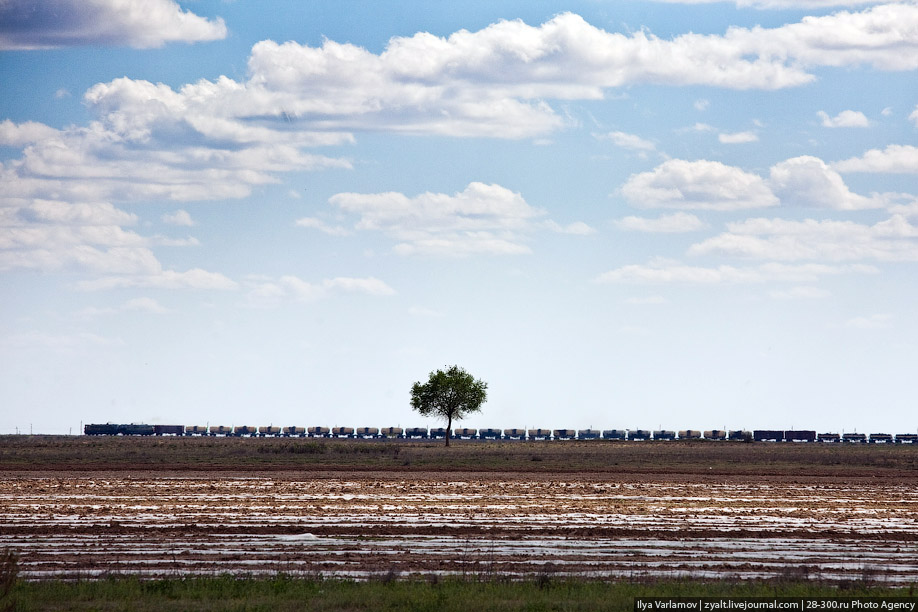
(632, 142)
(263, 292)
(315, 223)
(195, 278)
(665, 224)
(667, 271)
(179, 217)
(800, 293)
(21, 134)
(784, 4)
(914, 116)
(701, 104)
(894, 239)
(480, 219)
(846, 118)
(142, 305)
(876, 321)
(809, 181)
(25, 24)
(652, 300)
(738, 137)
(698, 185)
(577, 228)
(894, 159)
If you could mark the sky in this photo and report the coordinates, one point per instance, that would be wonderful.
(679, 214)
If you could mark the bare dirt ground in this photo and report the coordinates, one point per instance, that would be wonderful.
(83, 507)
(363, 524)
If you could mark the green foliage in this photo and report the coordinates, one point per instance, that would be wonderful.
(450, 395)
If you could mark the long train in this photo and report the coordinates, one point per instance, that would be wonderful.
(435, 433)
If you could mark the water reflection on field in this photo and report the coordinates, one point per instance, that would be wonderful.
(364, 527)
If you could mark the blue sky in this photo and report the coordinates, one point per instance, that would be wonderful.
(644, 214)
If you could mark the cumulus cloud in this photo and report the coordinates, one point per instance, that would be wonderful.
(894, 159)
(665, 224)
(668, 271)
(894, 239)
(914, 116)
(179, 217)
(809, 181)
(846, 118)
(738, 137)
(25, 24)
(481, 219)
(784, 4)
(632, 142)
(264, 292)
(698, 185)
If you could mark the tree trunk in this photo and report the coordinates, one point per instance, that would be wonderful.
(449, 428)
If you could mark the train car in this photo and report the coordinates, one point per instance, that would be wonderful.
(715, 434)
(828, 438)
(416, 432)
(664, 434)
(366, 432)
(135, 429)
(464, 433)
(245, 430)
(269, 430)
(392, 432)
(799, 435)
(880, 438)
(101, 429)
(614, 434)
(318, 432)
(195, 430)
(168, 430)
(514, 434)
(220, 430)
(489, 434)
(854, 438)
(564, 434)
(768, 435)
(342, 432)
(293, 430)
(739, 435)
(539, 434)
(438, 433)
(588, 434)
(639, 434)
(906, 438)
(689, 434)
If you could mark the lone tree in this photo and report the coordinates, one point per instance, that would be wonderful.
(449, 395)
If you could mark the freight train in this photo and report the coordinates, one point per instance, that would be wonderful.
(465, 433)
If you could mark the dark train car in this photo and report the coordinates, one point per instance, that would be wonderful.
(489, 434)
(588, 434)
(318, 432)
(768, 435)
(799, 435)
(664, 434)
(464, 433)
(615, 434)
(854, 438)
(539, 434)
(416, 432)
(342, 432)
(739, 435)
(168, 430)
(639, 434)
(906, 438)
(881, 438)
(135, 429)
(715, 434)
(101, 429)
(565, 434)
(245, 430)
(437, 433)
(689, 434)
(366, 432)
(293, 430)
(828, 438)
(392, 432)
(515, 434)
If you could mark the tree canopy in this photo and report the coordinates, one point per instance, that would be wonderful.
(449, 395)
